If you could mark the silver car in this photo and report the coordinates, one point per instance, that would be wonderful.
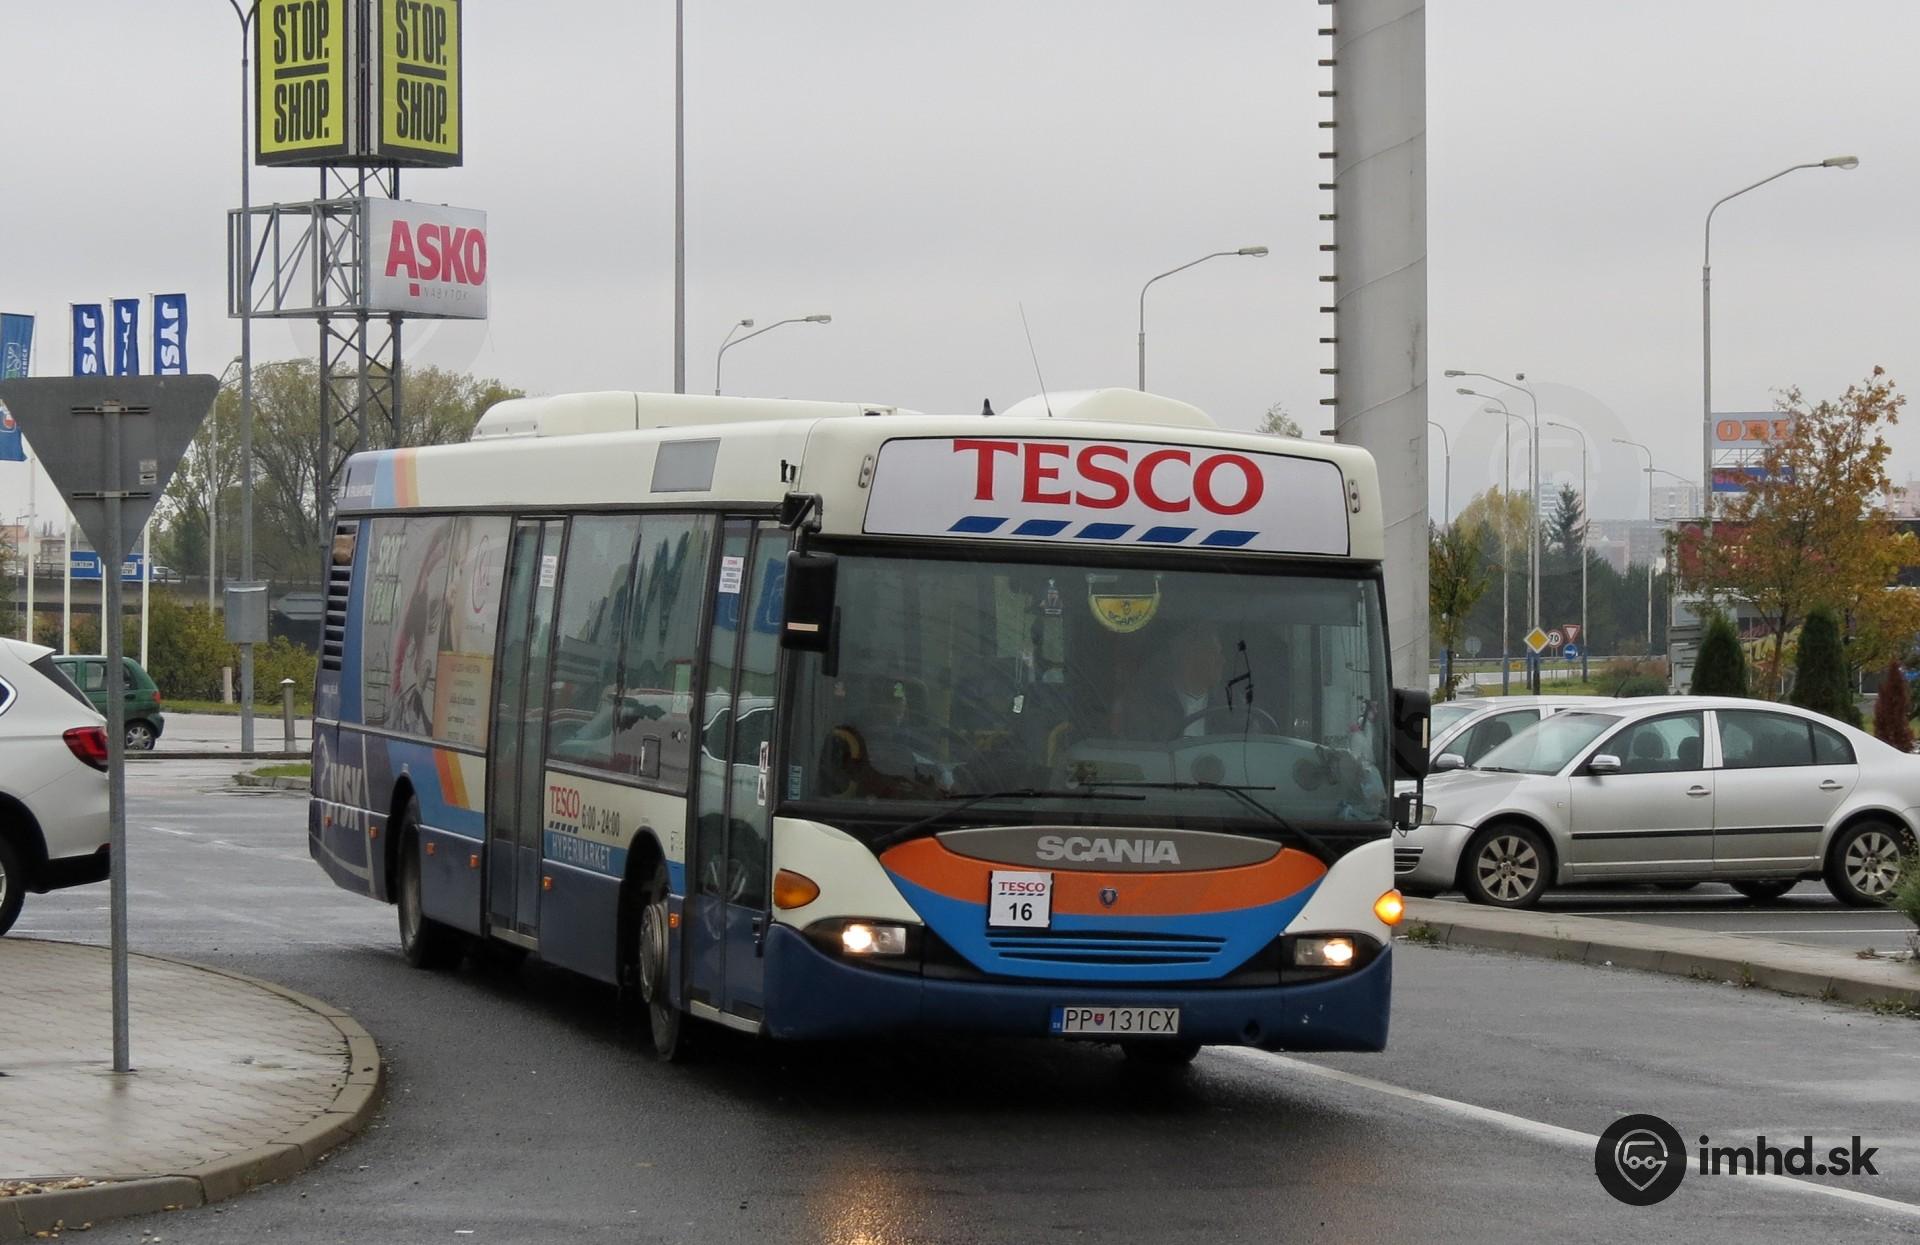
(1675, 789)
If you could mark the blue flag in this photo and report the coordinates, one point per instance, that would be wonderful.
(126, 337)
(16, 346)
(13, 447)
(169, 334)
(89, 339)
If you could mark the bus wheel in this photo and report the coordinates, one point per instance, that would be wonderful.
(666, 1024)
(1159, 1054)
(423, 941)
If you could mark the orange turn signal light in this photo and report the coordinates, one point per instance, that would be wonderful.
(1390, 907)
(794, 890)
(546, 883)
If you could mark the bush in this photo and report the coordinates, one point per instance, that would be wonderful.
(1636, 676)
(282, 659)
(1820, 681)
(1906, 895)
(1893, 709)
(187, 649)
(1721, 667)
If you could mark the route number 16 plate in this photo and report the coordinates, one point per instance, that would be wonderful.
(1019, 900)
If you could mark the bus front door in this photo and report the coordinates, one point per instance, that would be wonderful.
(731, 820)
(515, 767)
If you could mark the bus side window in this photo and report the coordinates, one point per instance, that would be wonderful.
(594, 590)
(653, 727)
(463, 680)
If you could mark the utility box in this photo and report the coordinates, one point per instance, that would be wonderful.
(247, 613)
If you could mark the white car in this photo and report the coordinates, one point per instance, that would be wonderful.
(1460, 732)
(1673, 789)
(53, 780)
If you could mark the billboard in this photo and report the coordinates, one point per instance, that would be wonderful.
(304, 69)
(1751, 432)
(416, 82)
(423, 259)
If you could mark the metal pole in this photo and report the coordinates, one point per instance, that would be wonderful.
(1254, 251)
(33, 470)
(246, 372)
(1506, 562)
(1586, 526)
(679, 199)
(1446, 487)
(66, 595)
(286, 711)
(111, 558)
(146, 586)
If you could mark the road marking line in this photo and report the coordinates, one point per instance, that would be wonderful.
(1572, 1137)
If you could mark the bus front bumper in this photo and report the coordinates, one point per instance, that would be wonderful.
(812, 995)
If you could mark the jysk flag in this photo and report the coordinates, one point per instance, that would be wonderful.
(13, 446)
(16, 346)
(89, 339)
(126, 337)
(169, 334)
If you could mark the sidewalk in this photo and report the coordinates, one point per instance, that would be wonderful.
(237, 1082)
(1838, 976)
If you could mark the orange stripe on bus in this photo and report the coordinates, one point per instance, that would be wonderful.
(927, 864)
(406, 478)
(453, 783)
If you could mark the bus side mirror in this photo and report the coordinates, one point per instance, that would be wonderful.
(811, 581)
(1411, 709)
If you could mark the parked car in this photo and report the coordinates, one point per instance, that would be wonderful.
(163, 574)
(1670, 790)
(1462, 731)
(53, 780)
(145, 721)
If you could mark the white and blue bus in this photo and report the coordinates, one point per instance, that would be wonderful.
(818, 719)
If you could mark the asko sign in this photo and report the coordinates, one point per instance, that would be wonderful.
(425, 260)
(1108, 492)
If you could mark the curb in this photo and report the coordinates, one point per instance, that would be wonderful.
(1746, 961)
(33, 1214)
(280, 784)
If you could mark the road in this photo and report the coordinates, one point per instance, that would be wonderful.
(202, 731)
(519, 1111)
(1806, 914)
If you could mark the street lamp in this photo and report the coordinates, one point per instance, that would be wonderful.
(1706, 327)
(245, 257)
(1506, 559)
(1651, 530)
(1252, 251)
(1446, 487)
(732, 341)
(1586, 639)
(1533, 564)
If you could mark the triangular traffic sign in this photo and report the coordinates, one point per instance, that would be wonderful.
(67, 418)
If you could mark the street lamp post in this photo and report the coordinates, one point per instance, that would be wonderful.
(1254, 251)
(1446, 487)
(1519, 382)
(733, 341)
(1651, 530)
(1506, 558)
(246, 16)
(1706, 329)
(1586, 516)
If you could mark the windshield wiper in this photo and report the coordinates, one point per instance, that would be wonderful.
(1313, 843)
(967, 799)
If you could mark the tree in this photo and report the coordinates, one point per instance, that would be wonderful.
(1721, 667)
(1278, 423)
(1808, 531)
(1820, 679)
(1893, 708)
(1457, 577)
(1566, 533)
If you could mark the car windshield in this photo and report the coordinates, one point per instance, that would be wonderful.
(1546, 748)
(961, 677)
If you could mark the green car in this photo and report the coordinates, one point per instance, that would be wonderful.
(144, 719)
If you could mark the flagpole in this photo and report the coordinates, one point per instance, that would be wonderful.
(33, 469)
(146, 586)
(66, 595)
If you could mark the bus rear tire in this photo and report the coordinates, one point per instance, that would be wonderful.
(424, 941)
(1154, 1053)
(666, 1024)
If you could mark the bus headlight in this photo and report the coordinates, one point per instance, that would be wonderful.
(866, 938)
(1322, 952)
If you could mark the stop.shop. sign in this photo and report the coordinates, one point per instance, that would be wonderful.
(1108, 492)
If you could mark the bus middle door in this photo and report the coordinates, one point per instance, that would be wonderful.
(516, 800)
(729, 886)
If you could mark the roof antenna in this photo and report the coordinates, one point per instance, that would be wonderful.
(986, 407)
(1045, 401)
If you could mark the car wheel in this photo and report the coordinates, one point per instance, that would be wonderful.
(13, 885)
(1506, 866)
(423, 941)
(1160, 1054)
(1763, 891)
(140, 736)
(667, 1025)
(1863, 865)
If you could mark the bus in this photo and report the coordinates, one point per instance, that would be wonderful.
(818, 720)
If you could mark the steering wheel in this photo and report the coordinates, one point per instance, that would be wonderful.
(1251, 711)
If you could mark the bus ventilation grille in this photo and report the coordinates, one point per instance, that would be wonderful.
(1083, 947)
(333, 630)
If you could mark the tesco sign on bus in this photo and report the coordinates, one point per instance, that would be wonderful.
(1108, 492)
(425, 259)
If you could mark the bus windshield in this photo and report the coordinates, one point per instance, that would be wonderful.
(958, 677)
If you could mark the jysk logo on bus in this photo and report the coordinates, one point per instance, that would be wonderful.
(1111, 492)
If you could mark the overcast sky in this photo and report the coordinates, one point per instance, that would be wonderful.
(919, 171)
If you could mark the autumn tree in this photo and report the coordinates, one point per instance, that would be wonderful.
(1893, 708)
(1457, 577)
(1809, 529)
(1278, 423)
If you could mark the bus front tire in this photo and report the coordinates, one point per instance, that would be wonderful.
(666, 1023)
(423, 941)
